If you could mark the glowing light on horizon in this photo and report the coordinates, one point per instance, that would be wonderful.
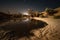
(25, 13)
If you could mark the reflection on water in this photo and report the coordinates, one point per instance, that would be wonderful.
(33, 22)
(26, 20)
(24, 28)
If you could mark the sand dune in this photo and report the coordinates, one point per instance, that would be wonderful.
(49, 32)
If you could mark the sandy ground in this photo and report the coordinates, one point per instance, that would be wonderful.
(50, 32)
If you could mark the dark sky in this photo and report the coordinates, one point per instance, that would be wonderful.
(22, 5)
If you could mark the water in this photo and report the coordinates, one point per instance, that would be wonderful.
(24, 27)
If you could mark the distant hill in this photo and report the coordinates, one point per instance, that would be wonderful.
(57, 9)
(4, 16)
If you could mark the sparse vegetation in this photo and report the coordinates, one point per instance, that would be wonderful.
(50, 11)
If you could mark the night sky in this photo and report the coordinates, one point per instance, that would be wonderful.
(23, 5)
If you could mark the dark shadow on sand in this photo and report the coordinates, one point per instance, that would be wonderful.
(56, 17)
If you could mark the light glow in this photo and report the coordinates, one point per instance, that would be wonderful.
(25, 13)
